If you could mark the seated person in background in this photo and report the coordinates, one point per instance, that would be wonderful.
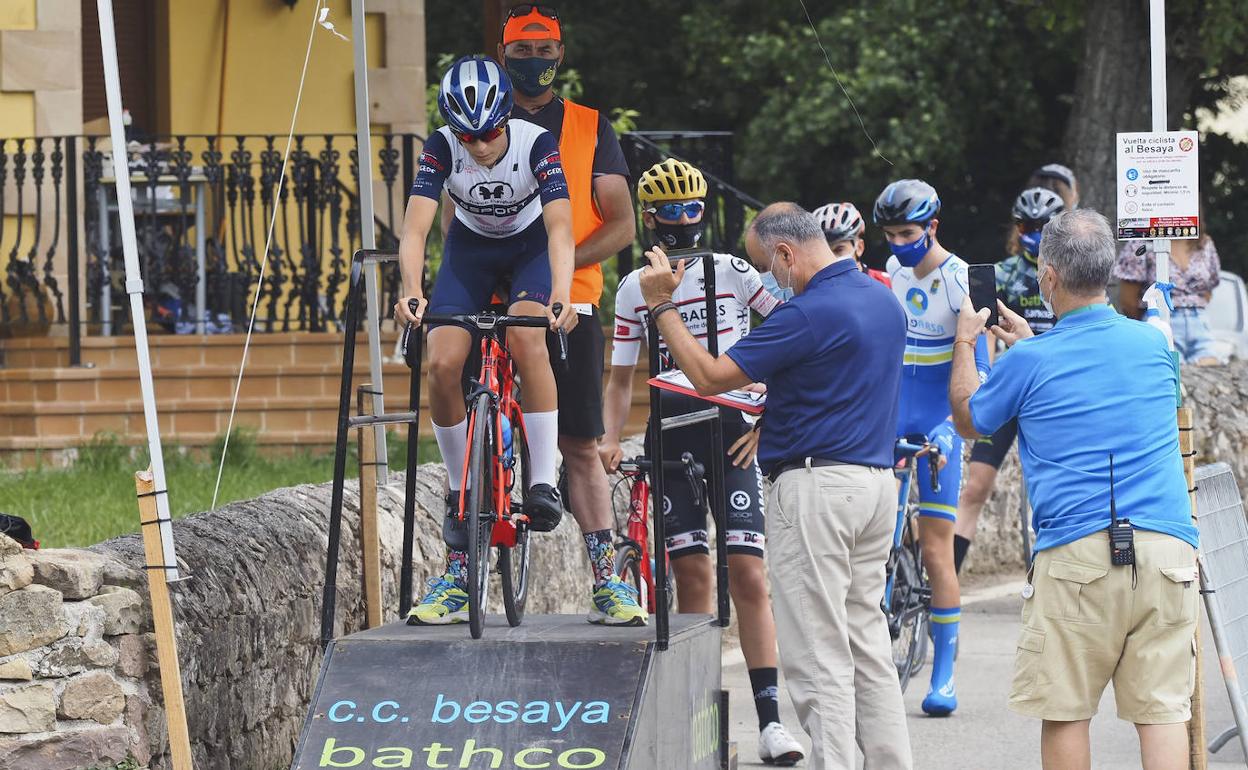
(671, 194)
(1194, 270)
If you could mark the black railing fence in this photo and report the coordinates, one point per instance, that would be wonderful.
(203, 207)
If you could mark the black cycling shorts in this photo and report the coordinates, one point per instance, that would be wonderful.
(993, 449)
(580, 380)
(685, 524)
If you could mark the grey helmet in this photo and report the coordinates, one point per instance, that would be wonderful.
(906, 201)
(1038, 205)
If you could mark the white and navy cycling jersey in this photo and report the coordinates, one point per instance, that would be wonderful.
(738, 288)
(504, 199)
(931, 304)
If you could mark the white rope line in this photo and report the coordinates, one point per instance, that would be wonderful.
(268, 242)
(836, 75)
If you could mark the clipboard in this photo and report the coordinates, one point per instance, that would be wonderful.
(743, 400)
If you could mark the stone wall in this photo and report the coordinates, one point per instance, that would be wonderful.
(78, 683)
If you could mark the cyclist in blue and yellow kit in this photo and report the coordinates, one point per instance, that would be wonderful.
(930, 282)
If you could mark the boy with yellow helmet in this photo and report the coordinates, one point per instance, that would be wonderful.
(672, 196)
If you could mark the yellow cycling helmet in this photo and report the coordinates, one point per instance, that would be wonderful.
(671, 180)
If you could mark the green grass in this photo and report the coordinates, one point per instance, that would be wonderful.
(94, 499)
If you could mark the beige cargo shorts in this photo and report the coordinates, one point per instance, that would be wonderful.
(1087, 623)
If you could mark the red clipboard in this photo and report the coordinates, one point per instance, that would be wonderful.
(742, 400)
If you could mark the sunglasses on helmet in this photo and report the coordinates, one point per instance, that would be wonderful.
(672, 211)
(485, 136)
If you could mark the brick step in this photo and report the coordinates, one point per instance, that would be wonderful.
(190, 350)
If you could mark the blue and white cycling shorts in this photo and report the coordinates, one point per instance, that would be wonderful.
(924, 407)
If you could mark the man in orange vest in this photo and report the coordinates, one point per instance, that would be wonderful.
(602, 224)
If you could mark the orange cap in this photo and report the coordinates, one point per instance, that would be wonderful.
(533, 26)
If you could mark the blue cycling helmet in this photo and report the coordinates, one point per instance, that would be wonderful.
(906, 201)
(475, 96)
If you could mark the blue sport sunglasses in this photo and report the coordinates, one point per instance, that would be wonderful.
(672, 211)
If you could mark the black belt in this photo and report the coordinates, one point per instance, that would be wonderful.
(803, 462)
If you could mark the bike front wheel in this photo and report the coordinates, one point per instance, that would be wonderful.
(513, 562)
(480, 514)
(910, 639)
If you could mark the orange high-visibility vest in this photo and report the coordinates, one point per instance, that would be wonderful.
(577, 142)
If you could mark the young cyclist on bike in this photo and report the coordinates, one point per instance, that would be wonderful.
(512, 219)
(671, 195)
(930, 282)
(843, 227)
(1019, 288)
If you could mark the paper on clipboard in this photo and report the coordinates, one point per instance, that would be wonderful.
(744, 400)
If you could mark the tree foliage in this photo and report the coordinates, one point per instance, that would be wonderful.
(971, 95)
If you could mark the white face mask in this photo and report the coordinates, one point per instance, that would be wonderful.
(1048, 303)
(784, 293)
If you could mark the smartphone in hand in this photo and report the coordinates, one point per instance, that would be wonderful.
(983, 288)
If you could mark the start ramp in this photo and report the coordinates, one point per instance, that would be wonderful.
(554, 693)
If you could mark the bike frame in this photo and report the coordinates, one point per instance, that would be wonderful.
(906, 477)
(639, 533)
(496, 377)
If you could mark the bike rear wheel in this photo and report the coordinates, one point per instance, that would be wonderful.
(513, 562)
(628, 569)
(480, 512)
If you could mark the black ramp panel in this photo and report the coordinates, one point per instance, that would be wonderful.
(677, 721)
(554, 693)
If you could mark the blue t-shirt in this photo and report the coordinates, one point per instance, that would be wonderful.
(831, 359)
(1097, 383)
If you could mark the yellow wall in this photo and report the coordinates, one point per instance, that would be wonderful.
(266, 49)
(17, 14)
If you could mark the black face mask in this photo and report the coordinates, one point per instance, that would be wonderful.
(678, 236)
(532, 76)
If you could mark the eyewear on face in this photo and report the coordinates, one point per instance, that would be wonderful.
(485, 136)
(672, 211)
(524, 9)
(1031, 225)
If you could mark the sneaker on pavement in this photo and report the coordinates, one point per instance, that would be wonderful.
(444, 603)
(544, 507)
(454, 531)
(777, 747)
(615, 604)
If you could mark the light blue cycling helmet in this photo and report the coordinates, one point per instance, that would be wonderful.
(475, 96)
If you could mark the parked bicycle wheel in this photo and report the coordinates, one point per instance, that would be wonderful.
(480, 513)
(513, 562)
(909, 632)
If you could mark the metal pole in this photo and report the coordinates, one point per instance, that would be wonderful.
(368, 237)
(661, 632)
(106, 257)
(134, 281)
(413, 462)
(1157, 44)
(201, 257)
(1239, 710)
(71, 227)
(716, 491)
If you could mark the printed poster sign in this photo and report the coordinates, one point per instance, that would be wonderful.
(1158, 185)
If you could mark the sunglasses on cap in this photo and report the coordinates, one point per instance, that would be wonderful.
(484, 136)
(524, 9)
(672, 211)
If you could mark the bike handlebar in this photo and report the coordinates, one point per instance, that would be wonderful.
(485, 321)
(694, 471)
(910, 449)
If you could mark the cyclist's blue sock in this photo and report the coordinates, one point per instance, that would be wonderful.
(941, 698)
(601, 550)
(457, 567)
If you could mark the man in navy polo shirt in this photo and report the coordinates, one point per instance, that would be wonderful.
(831, 359)
(1095, 387)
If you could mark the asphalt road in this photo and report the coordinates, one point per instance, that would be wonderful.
(983, 734)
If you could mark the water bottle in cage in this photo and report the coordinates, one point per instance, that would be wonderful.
(506, 423)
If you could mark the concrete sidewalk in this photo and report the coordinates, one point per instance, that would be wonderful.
(983, 734)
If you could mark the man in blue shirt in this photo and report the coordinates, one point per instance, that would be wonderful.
(831, 359)
(1097, 386)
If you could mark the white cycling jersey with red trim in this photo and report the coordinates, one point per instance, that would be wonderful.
(738, 288)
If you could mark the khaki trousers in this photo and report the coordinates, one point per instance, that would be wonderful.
(829, 531)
